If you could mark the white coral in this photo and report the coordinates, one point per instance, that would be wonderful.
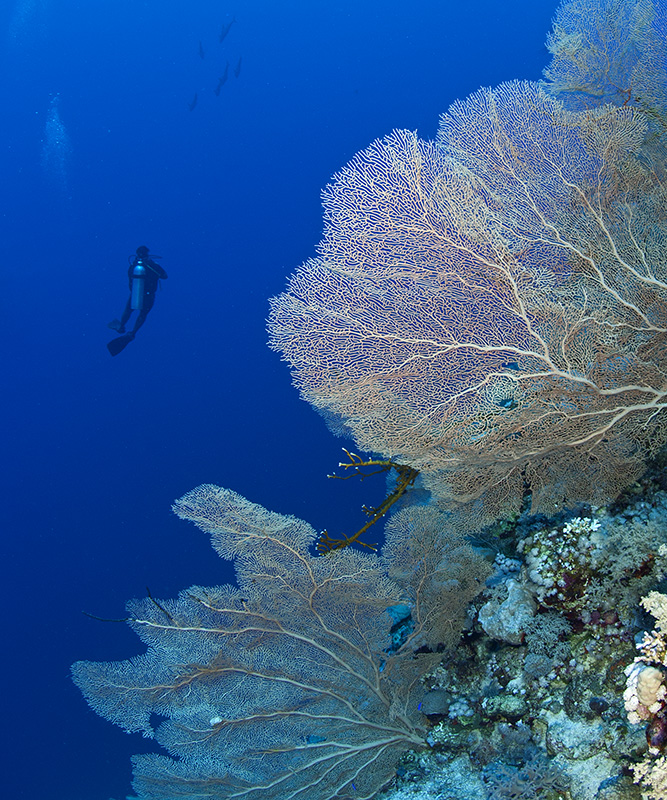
(656, 604)
(650, 688)
(645, 691)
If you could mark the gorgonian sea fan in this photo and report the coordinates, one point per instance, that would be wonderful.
(491, 308)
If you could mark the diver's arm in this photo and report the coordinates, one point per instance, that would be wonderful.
(157, 269)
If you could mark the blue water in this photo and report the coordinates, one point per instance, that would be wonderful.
(99, 154)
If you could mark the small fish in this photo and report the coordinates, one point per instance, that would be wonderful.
(192, 105)
(222, 81)
(225, 30)
(201, 50)
(237, 69)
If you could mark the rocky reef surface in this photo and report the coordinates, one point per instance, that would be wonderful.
(557, 691)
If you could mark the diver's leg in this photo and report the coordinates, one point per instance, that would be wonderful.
(149, 299)
(126, 315)
(118, 325)
(139, 321)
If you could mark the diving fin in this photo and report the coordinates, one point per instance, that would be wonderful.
(115, 346)
(115, 325)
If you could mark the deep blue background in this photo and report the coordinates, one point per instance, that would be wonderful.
(95, 449)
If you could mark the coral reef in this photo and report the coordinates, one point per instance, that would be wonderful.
(489, 310)
(646, 697)
(543, 714)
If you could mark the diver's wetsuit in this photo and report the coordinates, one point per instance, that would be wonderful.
(154, 273)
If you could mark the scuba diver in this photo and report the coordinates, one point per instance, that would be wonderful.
(144, 276)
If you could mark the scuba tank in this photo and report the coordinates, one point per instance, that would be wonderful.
(138, 283)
